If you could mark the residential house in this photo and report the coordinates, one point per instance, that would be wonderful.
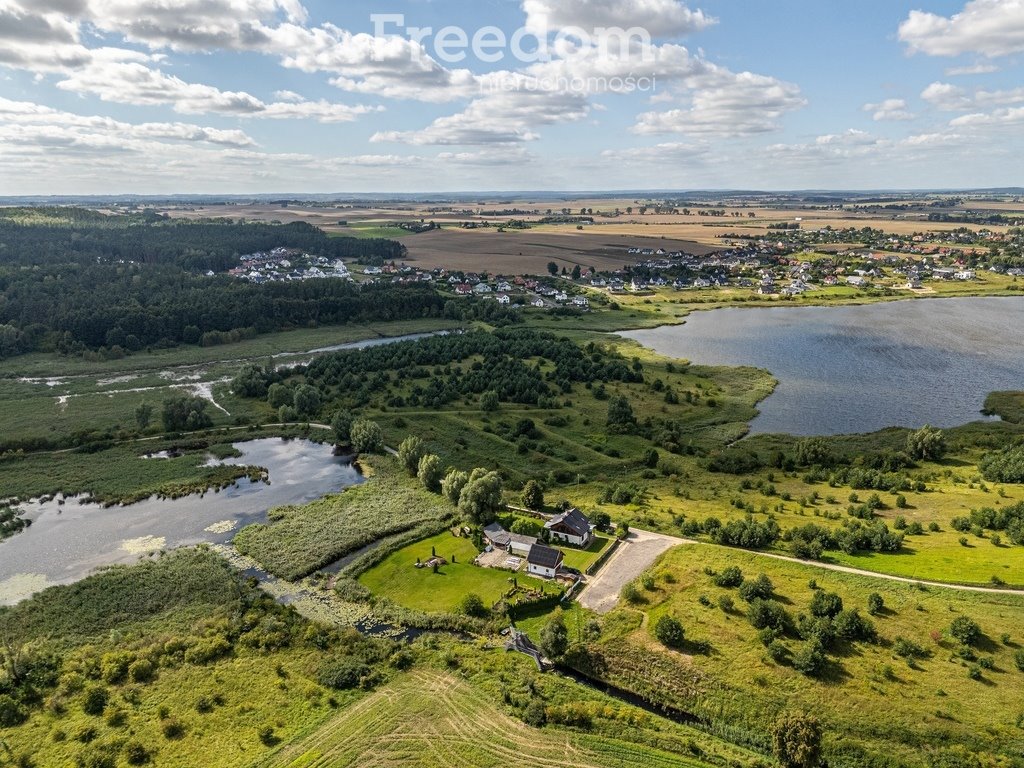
(504, 299)
(572, 527)
(463, 289)
(544, 561)
(581, 301)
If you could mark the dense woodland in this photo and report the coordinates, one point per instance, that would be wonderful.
(73, 280)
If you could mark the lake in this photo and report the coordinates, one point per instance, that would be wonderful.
(862, 368)
(67, 541)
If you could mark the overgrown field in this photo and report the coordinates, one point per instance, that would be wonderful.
(119, 474)
(435, 719)
(173, 662)
(303, 539)
(901, 689)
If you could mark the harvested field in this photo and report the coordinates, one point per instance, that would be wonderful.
(529, 251)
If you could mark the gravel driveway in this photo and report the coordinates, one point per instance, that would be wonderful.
(633, 557)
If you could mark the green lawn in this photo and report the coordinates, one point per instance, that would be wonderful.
(398, 579)
(581, 559)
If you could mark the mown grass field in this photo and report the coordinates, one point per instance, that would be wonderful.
(301, 539)
(398, 579)
(435, 719)
(872, 701)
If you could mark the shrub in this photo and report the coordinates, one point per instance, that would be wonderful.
(965, 630)
(850, 625)
(554, 637)
(12, 713)
(410, 451)
(669, 631)
(96, 697)
(207, 650)
(767, 613)
(141, 671)
(729, 578)
(473, 605)
(810, 659)
(534, 714)
(1018, 659)
(366, 436)
(826, 604)
(875, 604)
(760, 588)
(796, 740)
(726, 604)
(172, 728)
(267, 736)
(135, 753)
(778, 651)
(342, 673)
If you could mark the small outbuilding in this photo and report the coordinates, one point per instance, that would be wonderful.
(544, 561)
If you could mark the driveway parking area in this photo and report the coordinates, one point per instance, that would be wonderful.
(633, 557)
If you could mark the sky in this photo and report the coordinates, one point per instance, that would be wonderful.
(292, 96)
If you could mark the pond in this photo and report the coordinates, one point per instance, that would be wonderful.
(67, 541)
(862, 368)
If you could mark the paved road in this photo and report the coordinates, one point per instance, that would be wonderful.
(633, 557)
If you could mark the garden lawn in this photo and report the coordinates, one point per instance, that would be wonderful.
(398, 579)
(581, 559)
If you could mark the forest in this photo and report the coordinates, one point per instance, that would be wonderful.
(72, 281)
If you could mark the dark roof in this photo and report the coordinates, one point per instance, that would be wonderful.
(545, 557)
(573, 519)
(497, 535)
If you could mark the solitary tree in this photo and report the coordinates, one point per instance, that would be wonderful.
(306, 400)
(453, 484)
(431, 472)
(410, 451)
(927, 443)
(342, 426)
(552, 268)
(366, 436)
(143, 416)
(489, 401)
(620, 416)
(669, 631)
(533, 495)
(481, 497)
(796, 740)
(554, 637)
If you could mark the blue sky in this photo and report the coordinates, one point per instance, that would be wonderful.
(245, 96)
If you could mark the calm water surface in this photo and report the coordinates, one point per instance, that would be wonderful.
(66, 542)
(862, 368)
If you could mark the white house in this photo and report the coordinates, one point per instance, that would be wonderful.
(504, 299)
(544, 561)
(581, 301)
(572, 527)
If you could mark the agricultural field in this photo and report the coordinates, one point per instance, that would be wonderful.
(946, 691)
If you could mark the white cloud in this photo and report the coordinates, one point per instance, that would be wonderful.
(890, 109)
(953, 98)
(727, 104)
(136, 83)
(999, 118)
(972, 69)
(985, 27)
(30, 123)
(661, 18)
